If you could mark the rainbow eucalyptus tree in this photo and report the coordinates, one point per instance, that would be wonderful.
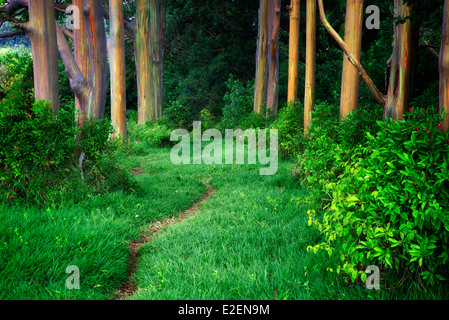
(87, 67)
(353, 39)
(293, 55)
(41, 30)
(309, 89)
(403, 62)
(117, 67)
(147, 32)
(267, 68)
(444, 67)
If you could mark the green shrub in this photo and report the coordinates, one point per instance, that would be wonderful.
(390, 206)
(207, 120)
(40, 152)
(155, 133)
(16, 71)
(238, 102)
(290, 126)
(330, 144)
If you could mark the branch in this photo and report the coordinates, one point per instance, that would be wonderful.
(78, 82)
(431, 49)
(13, 6)
(66, 31)
(380, 97)
(11, 34)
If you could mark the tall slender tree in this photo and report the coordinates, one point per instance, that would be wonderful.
(444, 67)
(403, 60)
(379, 96)
(148, 34)
(41, 30)
(293, 56)
(353, 39)
(90, 89)
(274, 21)
(260, 87)
(267, 69)
(117, 66)
(309, 89)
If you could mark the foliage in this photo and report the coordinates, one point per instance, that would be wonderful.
(156, 133)
(40, 152)
(329, 143)
(390, 205)
(16, 70)
(290, 126)
(238, 102)
(206, 43)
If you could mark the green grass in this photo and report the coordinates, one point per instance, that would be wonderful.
(247, 241)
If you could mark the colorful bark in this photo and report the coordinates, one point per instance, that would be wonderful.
(274, 19)
(403, 61)
(41, 30)
(98, 77)
(148, 40)
(309, 90)
(81, 53)
(353, 39)
(117, 66)
(444, 67)
(260, 88)
(293, 55)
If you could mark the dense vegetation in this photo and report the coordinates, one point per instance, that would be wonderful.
(349, 193)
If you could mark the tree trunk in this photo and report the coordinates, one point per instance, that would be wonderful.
(293, 54)
(117, 66)
(309, 92)
(274, 19)
(371, 86)
(260, 87)
(405, 43)
(444, 67)
(81, 53)
(41, 30)
(353, 39)
(148, 40)
(87, 68)
(98, 57)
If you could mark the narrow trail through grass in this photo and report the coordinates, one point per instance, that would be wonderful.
(129, 287)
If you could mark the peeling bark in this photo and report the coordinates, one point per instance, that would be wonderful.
(148, 41)
(41, 30)
(117, 66)
(261, 59)
(87, 68)
(444, 67)
(98, 77)
(400, 87)
(274, 18)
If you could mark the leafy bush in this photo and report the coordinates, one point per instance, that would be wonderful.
(155, 133)
(40, 152)
(290, 126)
(16, 70)
(390, 206)
(238, 103)
(330, 143)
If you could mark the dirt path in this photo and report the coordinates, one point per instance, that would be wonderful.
(129, 288)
